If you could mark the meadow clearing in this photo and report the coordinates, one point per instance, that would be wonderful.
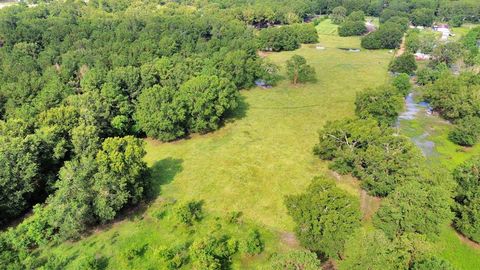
(262, 153)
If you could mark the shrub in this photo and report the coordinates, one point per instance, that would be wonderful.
(278, 39)
(352, 28)
(402, 83)
(466, 131)
(356, 16)
(384, 104)
(253, 243)
(175, 257)
(388, 36)
(405, 63)
(213, 252)
(294, 260)
(414, 208)
(190, 212)
(306, 33)
(338, 14)
(299, 71)
(467, 198)
(422, 16)
(432, 263)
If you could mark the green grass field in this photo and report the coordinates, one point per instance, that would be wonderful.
(263, 153)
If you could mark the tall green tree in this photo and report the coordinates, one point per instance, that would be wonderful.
(298, 71)
(325, 216)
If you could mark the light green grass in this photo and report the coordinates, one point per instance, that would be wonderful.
(326, 27)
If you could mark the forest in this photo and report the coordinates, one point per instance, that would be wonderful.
(240, 134)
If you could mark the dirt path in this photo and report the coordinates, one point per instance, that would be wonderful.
(467, 241)
(289, 239)
(402, 48)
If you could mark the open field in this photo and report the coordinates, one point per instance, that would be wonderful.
(262, 154)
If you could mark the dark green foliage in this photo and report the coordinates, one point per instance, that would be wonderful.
(253, 243)
(213, 252)
(388, 36)
(454, 97)
(175, 257)
(383, 104)
(414, 207)
(379, 158)
(405, 63)
(121, 176)
(294, 260)
(432, 263)
(161, 113)
(356, 16)
(207, 99)
(387, 14)
(447, 53)
(298, 71)
(287, 38)
(19, 175)
(417, 41)
(338, 14)
(306, 33)
(422, 16)
(352, 28)
(278, 39)
(401, 82)
(466, 131)
(325, 216)
(373, 250)
(467, 199)
(189, 212)
(431, 74)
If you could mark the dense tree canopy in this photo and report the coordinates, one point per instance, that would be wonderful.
(467, 199)
(325, 216)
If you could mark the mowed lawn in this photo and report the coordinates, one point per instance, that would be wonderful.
(251, 163)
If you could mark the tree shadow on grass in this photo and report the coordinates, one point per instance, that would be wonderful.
(161, 173)
(240, 112)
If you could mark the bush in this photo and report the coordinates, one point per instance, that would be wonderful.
(278, 39)
(466, 131)
(405, 63)
(356, 16)
(352, 28)
(467, 199)
(401, 82)
(388, 36)
(253, 243)
(423, 17)
(383, 104)
(338, 15)
(190, 212)
(299, 71)
(294, 260)
(414, 208)
(432, 263)
(306, 33)
(175, 257)
(213, 252)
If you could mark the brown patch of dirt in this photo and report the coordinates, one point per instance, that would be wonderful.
(368, 204)
(402, 48)
(263, 54)
(329, 265)
(467, 241)
(289, 239)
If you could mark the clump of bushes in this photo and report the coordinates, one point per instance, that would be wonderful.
(405, 63)
(466, 131)
(190, 212)
(388, 36)
(383, 104)
(288, 37)
(253, 243)
(467, 199)
(354, 25)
